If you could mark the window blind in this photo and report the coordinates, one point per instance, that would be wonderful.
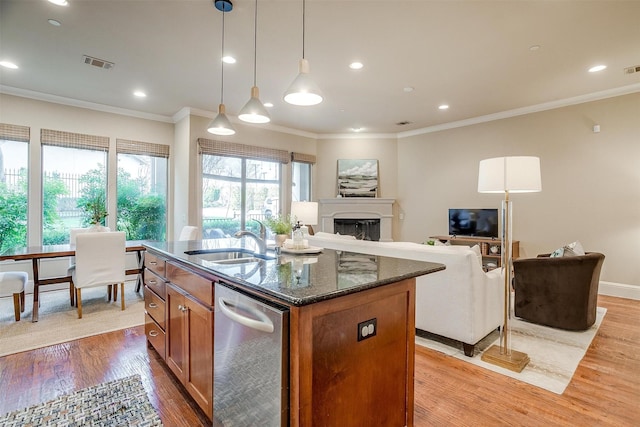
(127, 146)
(14, 132)
(231, 149)
(303, 158)
(74, 140)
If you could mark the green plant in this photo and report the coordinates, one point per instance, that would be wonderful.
(279, 224)
(96, 210)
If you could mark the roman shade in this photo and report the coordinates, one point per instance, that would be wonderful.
(127, 146)
(74, 140)
(303, 158)
(14, 132)
(231, 149)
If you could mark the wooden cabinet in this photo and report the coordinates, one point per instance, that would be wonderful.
(491, 258)
(189, 341)
(154, 303)
(338, 378)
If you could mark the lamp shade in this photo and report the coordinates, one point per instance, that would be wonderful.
(305, 212)
(303, 91)
(253, 111)
(516, 174)
(221, 124)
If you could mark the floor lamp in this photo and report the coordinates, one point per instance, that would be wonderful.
(518, 174)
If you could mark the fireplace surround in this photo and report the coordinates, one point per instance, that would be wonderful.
(357, 208)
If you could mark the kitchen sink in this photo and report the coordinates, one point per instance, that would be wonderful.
(231, 256)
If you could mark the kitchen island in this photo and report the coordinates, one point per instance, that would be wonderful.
(348, 347)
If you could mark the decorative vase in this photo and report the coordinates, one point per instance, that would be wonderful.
(280, 239)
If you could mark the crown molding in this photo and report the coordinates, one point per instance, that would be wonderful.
(581, 99)
(39, 96)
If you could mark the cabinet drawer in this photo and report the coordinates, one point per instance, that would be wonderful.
(155, 335)
(191, 283)
(155, 283)
(155, 263)
(154, 306)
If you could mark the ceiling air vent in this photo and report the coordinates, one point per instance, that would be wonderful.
(403, 123)
(631, 70)
(100, 63)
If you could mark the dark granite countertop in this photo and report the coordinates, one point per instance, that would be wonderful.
(299, 279)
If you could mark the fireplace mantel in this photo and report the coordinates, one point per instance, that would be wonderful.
(357, 208)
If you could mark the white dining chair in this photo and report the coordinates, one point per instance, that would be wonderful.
(12, 283)
(73, 232)
(100, 261)
(189, 232)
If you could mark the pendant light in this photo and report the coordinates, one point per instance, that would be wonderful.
(221, 124)
(253, 111)
(303, 90)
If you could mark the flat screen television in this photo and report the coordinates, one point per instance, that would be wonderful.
(473, 222)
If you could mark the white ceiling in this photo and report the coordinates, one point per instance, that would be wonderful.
(473, 55)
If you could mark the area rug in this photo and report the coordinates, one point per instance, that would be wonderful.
(58, 321)
(555, 354)
(121, 402)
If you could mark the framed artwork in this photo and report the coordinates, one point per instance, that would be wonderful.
(357, 178)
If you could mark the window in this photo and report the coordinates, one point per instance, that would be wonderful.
(142, 190)
(240, 183)
(14, 172)
(301, 176)
(74, 181)
(235, 191)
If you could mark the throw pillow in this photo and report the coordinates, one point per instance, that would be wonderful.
(572, 249)
(476, 250)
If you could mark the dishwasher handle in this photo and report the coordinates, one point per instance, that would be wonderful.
(264, 324)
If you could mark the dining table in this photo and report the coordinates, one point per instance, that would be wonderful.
(37, 253)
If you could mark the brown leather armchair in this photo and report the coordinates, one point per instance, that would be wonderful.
(558, 292)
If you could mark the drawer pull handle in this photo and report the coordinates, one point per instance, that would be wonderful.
(153, 263)
(153, 282)
(182, 308)
(153, 305)
(153, 333)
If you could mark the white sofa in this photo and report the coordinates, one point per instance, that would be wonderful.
(461, 302)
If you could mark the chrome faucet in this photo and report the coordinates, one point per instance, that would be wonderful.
(263, 230)
(262, 245)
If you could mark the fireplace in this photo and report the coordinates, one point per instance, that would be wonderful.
(359, 215)
(362, 229)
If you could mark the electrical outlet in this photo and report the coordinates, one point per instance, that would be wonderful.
(367, 329)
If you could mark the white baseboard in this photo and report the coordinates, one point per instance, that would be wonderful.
(619, 290)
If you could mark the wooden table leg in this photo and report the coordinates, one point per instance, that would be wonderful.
(36, 284)
(139, 276)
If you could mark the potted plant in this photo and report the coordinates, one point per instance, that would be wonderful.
(96, 211)
(281, 226)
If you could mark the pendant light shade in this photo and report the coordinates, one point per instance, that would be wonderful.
(221, 124)
(254, 111)
(303, 91)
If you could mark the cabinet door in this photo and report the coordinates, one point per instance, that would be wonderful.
(199, 372)
(176, 332)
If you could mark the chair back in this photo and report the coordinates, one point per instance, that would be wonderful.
(188, 232)
(73, 232)
(100, 259)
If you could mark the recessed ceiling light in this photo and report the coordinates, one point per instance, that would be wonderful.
(54, 22)
(228, 59)
(597, 68)
(408, 89)
(8, 64)
(140, 94)
(534, 47)
(268, 104)
(356, 129)
(443, 107)
(59, 2)
(356, 65)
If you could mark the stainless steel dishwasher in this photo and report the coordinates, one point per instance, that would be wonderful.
(251, 360)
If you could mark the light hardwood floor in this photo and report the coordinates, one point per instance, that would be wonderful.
(605, 390)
